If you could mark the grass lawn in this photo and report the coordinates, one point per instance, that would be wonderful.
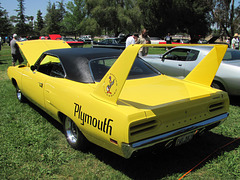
(33, 146)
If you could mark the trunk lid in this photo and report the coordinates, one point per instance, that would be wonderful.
(148, 93)
(170, 104)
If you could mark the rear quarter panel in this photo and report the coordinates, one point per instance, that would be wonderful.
(229, 76)
(15, 74)
(99, 121)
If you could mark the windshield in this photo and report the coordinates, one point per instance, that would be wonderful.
(140, 69)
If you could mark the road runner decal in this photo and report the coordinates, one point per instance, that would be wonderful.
(111, 85)
(85, 118)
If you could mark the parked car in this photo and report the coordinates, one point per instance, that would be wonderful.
(180, 61)
(72, 42)
(117, 43)
(156, 40)
(181, 41)
(86, 38)
(44, 37)
(115, 99)
(55, 36)
(23, 39)
(176, 41)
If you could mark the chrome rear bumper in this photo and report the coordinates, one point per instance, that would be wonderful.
(128, 149)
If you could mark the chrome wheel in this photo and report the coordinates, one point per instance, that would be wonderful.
(74, 136)
(20, 96)
(71, 131)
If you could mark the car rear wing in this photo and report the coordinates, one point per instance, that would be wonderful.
(111, 85)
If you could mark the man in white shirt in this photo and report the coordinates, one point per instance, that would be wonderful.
(16, 55)
(132, 39)
(235, 41)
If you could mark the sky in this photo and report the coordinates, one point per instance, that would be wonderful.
(31, 6)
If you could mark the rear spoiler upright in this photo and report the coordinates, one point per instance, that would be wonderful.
(111, 85)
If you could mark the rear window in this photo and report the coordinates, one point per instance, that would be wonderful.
(140, 69)
(231, 55)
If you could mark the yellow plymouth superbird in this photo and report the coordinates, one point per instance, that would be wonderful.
(116, 100)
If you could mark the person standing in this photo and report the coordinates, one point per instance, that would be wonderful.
(16, 55)
(168, 39)
(144, 39)
(132, 39)
(235, 42)
(228, 41)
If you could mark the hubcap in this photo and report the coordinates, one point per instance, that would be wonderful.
(71, 130)
(19, 94)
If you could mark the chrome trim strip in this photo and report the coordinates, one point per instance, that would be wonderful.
(179, 131)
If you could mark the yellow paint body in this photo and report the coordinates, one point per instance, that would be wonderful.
(138, 110)
(32, 50)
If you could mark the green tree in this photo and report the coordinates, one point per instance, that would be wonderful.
(226, 16)
(21, 27)
(193, 17)
(74, 18)
(158, 16)
(237, 17)
(6, 26)
(54, 17)
(174, 16)
(39, 24)
(114, 16)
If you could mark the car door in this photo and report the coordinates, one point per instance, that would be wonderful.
(53, 88)
(33, 86)
(173, 62)
(179, 62)
(34, 81)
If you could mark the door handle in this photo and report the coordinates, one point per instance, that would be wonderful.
(40, 84)
(179, 64)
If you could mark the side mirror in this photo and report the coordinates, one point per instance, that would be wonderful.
(33, 67)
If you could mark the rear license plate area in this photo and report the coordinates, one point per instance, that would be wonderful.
(184, 139)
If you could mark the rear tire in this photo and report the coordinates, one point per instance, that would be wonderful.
(74, 136)
(218, 85)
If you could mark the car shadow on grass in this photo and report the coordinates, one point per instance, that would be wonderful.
(51, 120)
(156, 162)
(234, 100)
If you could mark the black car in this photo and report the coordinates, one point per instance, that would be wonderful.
(117, 43)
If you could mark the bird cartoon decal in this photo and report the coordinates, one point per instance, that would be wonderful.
(111, 82)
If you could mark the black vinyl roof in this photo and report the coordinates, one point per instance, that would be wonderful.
(76, 61)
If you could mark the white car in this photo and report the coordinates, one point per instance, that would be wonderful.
(179, 61)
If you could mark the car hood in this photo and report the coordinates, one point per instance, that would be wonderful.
(213, 39)
(32, 50)
(150, 93)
